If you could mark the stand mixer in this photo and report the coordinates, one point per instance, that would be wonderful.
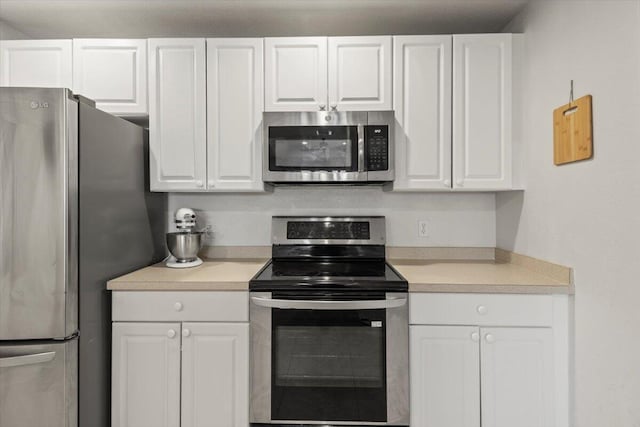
(186, 242)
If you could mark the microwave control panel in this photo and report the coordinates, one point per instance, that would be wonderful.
(377, 147)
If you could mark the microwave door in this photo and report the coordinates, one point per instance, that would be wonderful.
(313, 153)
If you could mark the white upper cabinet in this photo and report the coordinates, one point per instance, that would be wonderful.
(235, 101)
(177, 114)
(295, 73)
(112, 72)
(36, 63)
(422, 105)
(482, 94)
(360, 73)
(335, 73)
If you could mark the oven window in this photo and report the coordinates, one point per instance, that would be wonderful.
(329, 365)
(294, 148)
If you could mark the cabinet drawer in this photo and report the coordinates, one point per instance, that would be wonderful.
(180, 306)
(480, 309)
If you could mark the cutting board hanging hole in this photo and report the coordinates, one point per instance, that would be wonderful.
(570, 111)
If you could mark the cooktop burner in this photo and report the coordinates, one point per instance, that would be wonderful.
(328, 253)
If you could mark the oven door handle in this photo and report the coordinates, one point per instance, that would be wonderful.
(288, 304)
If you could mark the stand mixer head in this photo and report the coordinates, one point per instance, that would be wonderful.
(184, 244)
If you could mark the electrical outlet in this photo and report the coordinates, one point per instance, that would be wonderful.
(423, 228)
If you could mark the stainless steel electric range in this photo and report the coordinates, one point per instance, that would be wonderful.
(329, 327)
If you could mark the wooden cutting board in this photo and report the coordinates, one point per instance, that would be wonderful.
(572, 131)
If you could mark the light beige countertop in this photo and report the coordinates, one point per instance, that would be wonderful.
(506, 273)
(478, 277)
(212, 275)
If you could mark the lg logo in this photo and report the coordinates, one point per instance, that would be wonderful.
(35, 105)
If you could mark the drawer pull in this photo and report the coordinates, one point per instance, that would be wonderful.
(178, 306)
(482, 310)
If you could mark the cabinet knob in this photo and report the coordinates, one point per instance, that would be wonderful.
(178, 306)
(334, 108)
(481, 309)
(171, 333)
(460, 183)
(447, 183)
(489, 338)
(323, 107)
(186, 332)
(475, 337)
(200, 184)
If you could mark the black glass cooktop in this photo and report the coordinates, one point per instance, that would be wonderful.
(319, 275)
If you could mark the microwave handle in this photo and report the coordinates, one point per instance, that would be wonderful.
(362, 167)
(328, 305)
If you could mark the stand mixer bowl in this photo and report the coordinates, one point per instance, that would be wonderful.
(184, 246)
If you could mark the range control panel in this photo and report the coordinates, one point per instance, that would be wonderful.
(377, 147)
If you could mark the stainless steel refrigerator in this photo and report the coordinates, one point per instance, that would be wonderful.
(75, 211)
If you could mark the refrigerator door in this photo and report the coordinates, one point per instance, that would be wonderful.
(38, 384)
(38, 213)
(122, 228)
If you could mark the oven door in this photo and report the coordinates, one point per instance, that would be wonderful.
(332, 359)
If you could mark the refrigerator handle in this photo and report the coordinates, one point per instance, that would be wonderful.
(28, 359)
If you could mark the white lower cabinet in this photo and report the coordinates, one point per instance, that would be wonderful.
(507, 370)
(215, 376)
(184, 373)
(145, 375)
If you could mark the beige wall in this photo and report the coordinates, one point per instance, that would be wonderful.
(7, 32)
(587, 214)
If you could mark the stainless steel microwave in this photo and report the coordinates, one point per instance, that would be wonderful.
(340, 147)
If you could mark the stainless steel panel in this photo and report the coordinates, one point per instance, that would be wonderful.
(377, 230)
(122, 228)
(314, 118)
(286, 304)
(260, 330)
(38, 384)
(34, 205)
(398, 363)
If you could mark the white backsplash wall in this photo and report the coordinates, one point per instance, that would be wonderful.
(463, 220)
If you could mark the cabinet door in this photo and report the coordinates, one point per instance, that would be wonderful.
(360, 73)
(517, 377)
(295, 73)
(422, 105)
(145, 375)
(177, 114)
(215, 375)
(112, 72)
(235, 101)
(482, 111)
(445, 376)
(36, 63)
